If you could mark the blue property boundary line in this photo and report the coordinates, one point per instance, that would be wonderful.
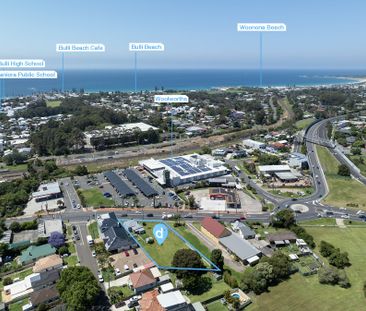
(215, 269)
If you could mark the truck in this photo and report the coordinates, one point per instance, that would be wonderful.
(90, 239)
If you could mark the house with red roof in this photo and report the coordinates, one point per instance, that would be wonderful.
(213, 229)
(142, 281)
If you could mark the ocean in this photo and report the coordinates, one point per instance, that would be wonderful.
(182, 79)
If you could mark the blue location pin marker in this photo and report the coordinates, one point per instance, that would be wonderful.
(161, 233)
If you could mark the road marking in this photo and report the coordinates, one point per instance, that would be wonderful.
(81, 236)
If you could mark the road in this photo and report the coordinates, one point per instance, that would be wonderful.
(83, 250)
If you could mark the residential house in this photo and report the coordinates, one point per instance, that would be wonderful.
(213, 229)
(173, 301)
(44, 296)
(142, 281)
(114, 235)
(49, 263)
(282, 238)
(243, 230)
(33, 253)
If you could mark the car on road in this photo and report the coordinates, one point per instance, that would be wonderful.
(345, 216)
(100, 278)
(150, 215)
(138, 212)
(94, 254)
(124, 215)
(135, 298)
(215, 217)
(117, 272)
(188, 215)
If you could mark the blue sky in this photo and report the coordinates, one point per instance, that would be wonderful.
(196, 33)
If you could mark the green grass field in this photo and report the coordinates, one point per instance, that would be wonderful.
(306, 294)
(162, 254)
(17, 306)
(342, 190)
(94, 198)
(301, 124)
(218, 288)
(71, 261)
(93, 230)
(14, 168)
(53, 103)
(319, 222)
(216, 306)
(191, 238)
(362, 166)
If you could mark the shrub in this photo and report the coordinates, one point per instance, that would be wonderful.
(326, 249)
(7, 281)
(230, 280)
(63, 250)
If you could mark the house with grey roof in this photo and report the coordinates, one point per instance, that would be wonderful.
(114, 235)
(241, 248)
(243, 230)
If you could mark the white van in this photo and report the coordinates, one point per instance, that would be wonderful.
(90, 239)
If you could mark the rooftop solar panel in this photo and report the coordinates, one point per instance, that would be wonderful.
(118, 184)
(140, 183)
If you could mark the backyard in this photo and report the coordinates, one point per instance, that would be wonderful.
(342, 190)
(306, 293)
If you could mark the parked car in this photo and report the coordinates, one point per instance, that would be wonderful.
(135, 265)
(126, 267)
(127, 253)
(94, 254)
(135, 251)
(149, 215)
(117, 272)
(100, 278)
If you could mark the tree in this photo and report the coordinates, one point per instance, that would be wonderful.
(343, 280)
(328, 275)
(81, 170)
(7, 281)
(339, 259)
(187, 258)
(15, 226)
(3, 249)
(356, 151)
(115, 294)
(56, 239)
(191, 201)
(283, 219)
(196, 284)
(63, 250)
(343, 170)
(217, 258)
(326, 249)
(78, 288)
(281, 266)
(230, 280)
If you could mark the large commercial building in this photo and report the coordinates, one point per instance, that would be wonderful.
(184, 169)
(124, 134)
(47, 192)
